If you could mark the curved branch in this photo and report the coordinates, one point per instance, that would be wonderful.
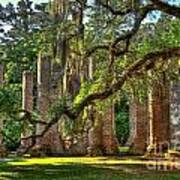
(167, 8)
(141, 14)
(139, 17)
(131, 71)
(92, 50)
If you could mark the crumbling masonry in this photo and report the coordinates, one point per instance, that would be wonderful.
(150, 119)
(155, 122)
(98, 134)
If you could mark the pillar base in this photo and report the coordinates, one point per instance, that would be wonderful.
(3, 152)
(157, 149)
(137, 150)
(113, 149)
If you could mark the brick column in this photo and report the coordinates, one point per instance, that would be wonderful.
(109, 140)
(175, 114)
(101, 133)
(54, 140)
(43, 82)
(2, 148)
(139, 125)
(159, 117)
(50, 143)
(27, 105)
(94, 124)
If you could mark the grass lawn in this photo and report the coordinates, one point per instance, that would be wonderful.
(85, 168)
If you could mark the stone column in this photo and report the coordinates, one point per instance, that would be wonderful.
(175, 114)
(27, 105)
(2, 148)
(159, 117)
(109, 140)
(139, 125)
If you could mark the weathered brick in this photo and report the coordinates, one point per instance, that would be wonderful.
(139, 125)
(51, 140)
(27, 105)
(175, 114)
(109, 139)
(159, 117)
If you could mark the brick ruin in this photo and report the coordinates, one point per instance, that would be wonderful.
(138, 116)
(154, 122)
(159, 125)
(175, 115)
(27, 104)
(97, 137)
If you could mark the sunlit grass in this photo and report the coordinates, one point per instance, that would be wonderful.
(90, 161)
(88, 168)
(123, 149)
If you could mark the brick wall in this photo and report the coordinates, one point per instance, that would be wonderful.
(51, 140)
(175, 114)
(139, 125)
(159, 116)
(27, 103)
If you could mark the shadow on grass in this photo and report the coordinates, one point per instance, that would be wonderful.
(77, 171)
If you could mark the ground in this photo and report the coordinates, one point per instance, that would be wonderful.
(86, 168)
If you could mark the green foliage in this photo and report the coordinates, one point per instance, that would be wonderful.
(10, 103)
(122, 127)
(12, 134)
(163, 34)
(10, 100)
(122, 119)
(58, 106)
(88, 88)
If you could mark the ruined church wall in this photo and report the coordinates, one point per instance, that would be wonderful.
(175, 114)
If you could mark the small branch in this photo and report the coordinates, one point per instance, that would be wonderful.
(27, 116)
(113, 11)
(92, 50)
